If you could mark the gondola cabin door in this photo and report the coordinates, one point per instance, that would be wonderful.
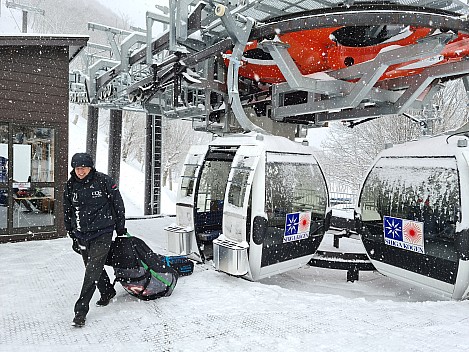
(288, 225)
(181, 237)
(413, 211)
(209, 197)
(231, 248)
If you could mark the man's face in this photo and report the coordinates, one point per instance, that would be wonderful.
(82, 171)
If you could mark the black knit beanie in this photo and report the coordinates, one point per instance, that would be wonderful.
(82, 159)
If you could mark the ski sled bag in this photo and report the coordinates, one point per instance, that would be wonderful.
(141, 272)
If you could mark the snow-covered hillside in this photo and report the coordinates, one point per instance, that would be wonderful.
(131, 179)
(11, 19)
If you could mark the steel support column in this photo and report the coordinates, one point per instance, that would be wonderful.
(25, 21)
(115, 141)
(92, 131)
(153, 164)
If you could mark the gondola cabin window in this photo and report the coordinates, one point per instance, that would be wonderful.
(240, 180)
(238, 187)
(211, 190)
(293, 187)
(238, 198)
(188, 180)
(421, 192)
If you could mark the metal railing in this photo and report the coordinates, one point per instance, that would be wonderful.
(342, 200)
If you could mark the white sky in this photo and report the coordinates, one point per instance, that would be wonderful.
(134, 9)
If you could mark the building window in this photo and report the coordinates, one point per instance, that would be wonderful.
(33, 154)
(33, 176)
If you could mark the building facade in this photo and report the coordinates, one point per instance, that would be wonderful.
(34, 110)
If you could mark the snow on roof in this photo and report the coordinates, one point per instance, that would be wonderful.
(428, 146)
(74, 42)
(269, 142)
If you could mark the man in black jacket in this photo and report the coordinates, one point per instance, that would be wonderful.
(93, 209)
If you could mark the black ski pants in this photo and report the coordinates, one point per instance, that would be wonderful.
(94, 253)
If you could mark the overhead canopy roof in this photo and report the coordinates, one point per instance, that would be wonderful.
(268, 11)
(74, 42)
(264, 9)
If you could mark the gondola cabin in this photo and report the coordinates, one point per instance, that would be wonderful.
(254, 203)
(414, 212)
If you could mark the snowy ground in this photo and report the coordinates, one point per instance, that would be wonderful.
(308, 309)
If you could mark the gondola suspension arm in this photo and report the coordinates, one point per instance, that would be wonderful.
(239, 36)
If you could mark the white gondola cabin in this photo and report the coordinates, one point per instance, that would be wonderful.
(414, 212)
(256, 204)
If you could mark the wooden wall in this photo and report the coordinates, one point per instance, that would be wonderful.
(34, 91)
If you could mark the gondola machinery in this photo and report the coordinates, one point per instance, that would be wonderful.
(347, 62)
(335, 48)
(395, 65)
(254, 203)
(302, 62)
(414, 213)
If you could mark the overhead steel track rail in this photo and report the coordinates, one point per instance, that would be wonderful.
(323, 18)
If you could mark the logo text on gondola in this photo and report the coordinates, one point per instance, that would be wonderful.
(297, 226)
(404, 234)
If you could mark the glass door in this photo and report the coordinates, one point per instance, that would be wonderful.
(33, 176)
(4, 157)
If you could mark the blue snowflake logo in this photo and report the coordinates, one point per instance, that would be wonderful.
(392, 228)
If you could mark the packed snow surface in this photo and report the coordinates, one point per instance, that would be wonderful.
(306, 309)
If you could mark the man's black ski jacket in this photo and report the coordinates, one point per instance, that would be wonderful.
(92, 206)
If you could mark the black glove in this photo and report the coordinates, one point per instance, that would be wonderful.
(121, 232)
(75, 245)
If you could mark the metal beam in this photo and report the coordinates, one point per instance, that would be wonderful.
(147, 206)
(27, 8)
(92, 131)
(153, 160)
(422, 81)
(127, 43)
(239, 36)
(419, 84)
(93, 70)
(115, 144)
(465, 81)
(99, 46)
(96, 26)
(376, 15)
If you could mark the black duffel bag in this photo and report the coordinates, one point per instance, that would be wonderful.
(141, 272)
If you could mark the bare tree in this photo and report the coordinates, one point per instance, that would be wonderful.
(178, 136)
(133, 136)
(452, 103)
(349, 152)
